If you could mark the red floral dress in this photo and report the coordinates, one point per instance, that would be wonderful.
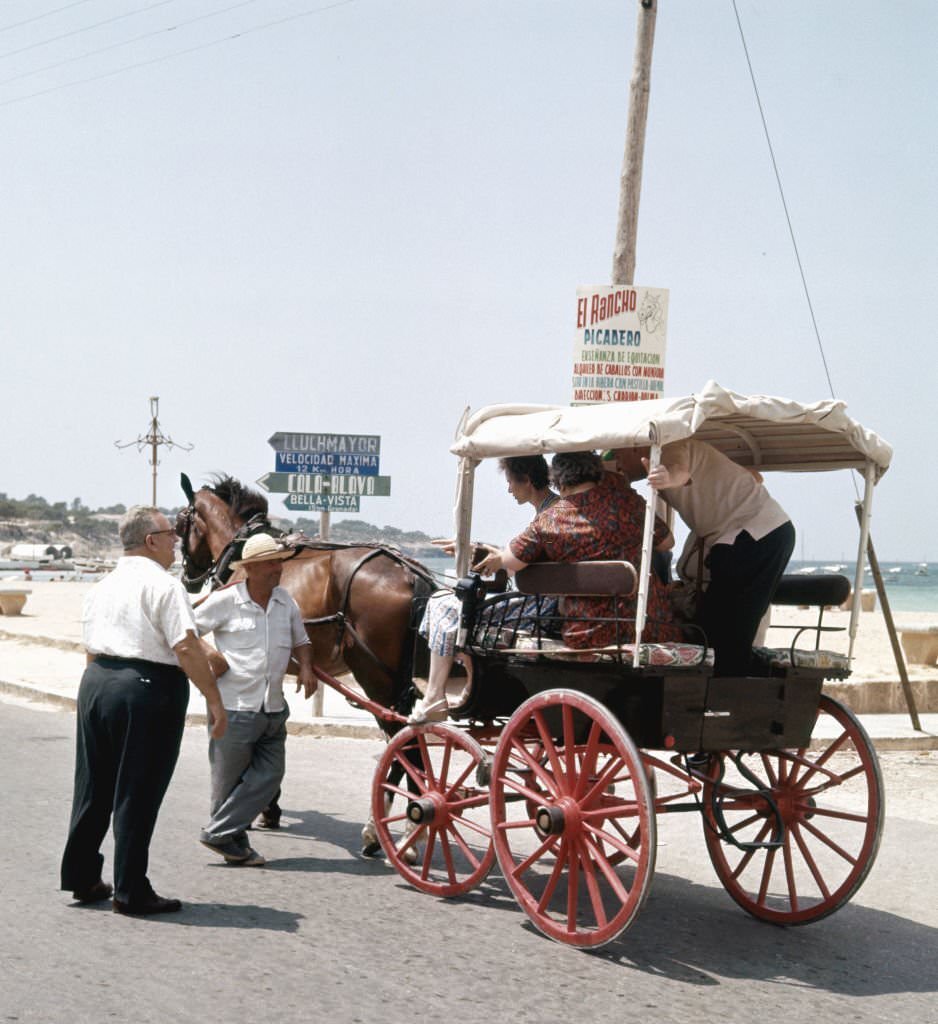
(605, 522)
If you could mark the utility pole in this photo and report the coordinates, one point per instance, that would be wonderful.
(153, 439)
(630, 182)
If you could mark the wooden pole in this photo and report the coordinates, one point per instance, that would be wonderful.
(630, 181)
(890, 627)
(317, 699)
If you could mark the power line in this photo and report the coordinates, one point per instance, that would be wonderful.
(87, 28)
(781, 192)
(39, 17)
(176, 53)
(126, 42)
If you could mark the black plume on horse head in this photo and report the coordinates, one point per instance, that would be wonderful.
(186, 485)
(243, 501)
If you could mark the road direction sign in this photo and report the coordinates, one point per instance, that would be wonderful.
(321, 483)
(322, 502)
(344, 444)
(330, 463)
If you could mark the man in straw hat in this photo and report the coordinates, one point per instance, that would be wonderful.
(256, 626)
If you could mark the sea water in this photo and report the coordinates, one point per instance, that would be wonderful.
(906, 591)
(907, 587)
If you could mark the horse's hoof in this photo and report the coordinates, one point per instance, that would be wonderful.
(370, 845)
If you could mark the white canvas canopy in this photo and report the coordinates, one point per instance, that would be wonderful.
(762, 431)
(753, 430)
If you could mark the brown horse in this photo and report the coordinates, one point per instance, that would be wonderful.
(357, 601)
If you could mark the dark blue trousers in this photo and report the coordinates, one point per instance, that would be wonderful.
(130, 721)
(743, 578)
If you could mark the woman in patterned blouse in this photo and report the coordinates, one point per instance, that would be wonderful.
(597, 517)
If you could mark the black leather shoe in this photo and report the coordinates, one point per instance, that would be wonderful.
(94, 893)
(151, 905)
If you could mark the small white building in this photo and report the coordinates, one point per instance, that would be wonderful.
(40, 552)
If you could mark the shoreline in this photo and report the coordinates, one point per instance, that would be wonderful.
(43, 652)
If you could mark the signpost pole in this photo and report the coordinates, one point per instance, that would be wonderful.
(630, 184)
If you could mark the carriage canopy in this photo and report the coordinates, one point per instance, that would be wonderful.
(767, 432)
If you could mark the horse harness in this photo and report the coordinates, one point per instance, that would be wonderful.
(423, 587)
(220, 570)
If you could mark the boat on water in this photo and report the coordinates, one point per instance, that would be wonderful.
(921, 569)
(93, 566)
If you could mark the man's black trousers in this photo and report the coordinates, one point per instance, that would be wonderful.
(131, 716)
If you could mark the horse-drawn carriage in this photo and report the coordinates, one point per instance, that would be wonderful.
(559, 762)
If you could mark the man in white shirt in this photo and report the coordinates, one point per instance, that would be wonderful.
(256, 626)
(140, 636)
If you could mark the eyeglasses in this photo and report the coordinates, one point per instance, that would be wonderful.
(156, 533)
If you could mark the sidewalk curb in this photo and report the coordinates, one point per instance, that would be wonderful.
(324, 728)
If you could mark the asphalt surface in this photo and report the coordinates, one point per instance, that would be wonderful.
(320, 934)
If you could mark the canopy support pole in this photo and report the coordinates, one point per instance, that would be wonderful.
(648, 540)
(890, 626)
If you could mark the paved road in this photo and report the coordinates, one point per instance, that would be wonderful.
(322, 935)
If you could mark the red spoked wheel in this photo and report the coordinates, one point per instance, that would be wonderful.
(431, 813)
(581, 864)
(825, 808)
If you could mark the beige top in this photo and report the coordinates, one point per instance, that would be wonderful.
(721, 498)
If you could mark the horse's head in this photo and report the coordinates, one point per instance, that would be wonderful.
(212, 527)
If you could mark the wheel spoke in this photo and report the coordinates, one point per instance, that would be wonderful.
(829, 843)
(623, 847)
(559, 864)
(808, 858)
(592, 885)
(610, 875)
(518, 748)
(550, 748)
(766, 874)
(573, 885)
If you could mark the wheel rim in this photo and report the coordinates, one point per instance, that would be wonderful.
(830, 804)
(434, 824)
(562, 862)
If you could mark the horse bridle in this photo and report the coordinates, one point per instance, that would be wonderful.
(219, 570)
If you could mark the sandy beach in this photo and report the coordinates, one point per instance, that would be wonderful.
(53, 612)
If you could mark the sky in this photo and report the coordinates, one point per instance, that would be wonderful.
(364, 216)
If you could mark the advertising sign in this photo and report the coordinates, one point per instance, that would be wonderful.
(619, 351)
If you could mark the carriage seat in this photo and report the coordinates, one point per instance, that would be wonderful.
(593, 579)
(824, 591)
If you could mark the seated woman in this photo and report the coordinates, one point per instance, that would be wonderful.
(598, 517)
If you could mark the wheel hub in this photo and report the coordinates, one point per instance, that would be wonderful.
(422, 811)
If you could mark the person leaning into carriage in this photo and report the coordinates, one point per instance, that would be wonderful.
(745, 539)
(256, 625)
(598, 517)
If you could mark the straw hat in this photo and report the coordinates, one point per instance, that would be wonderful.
(261, 548)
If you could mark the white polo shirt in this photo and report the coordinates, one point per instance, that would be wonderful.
(137, 611)
(256, 643)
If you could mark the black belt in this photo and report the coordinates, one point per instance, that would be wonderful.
(140, 665)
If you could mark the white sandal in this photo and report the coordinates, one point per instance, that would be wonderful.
(423, 712)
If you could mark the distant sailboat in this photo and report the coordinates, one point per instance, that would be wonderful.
(922, 569)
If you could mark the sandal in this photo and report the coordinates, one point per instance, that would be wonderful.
(424, 713)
